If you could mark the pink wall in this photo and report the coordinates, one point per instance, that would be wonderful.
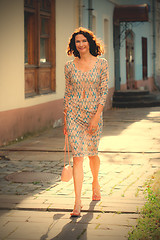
(16, 123)
(147, 84)
(108, 104)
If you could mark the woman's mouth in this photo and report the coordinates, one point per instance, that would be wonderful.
(82, 48)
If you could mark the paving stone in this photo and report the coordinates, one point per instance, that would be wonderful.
(102, 235)
(8, 229)
(68, 231)
(25, 230)
(42, 206)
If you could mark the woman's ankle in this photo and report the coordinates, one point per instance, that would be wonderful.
(77, 201)
(95, 183)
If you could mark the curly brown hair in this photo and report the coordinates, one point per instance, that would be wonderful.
(95, 47)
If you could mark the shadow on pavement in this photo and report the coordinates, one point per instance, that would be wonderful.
(75, 228)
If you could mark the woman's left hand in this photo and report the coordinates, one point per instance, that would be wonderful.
(93, 125)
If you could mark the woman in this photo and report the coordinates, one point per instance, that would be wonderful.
(85, 95)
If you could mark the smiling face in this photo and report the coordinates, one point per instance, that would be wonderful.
(82, 44)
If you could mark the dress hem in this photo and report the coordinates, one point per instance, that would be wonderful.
(86, 155)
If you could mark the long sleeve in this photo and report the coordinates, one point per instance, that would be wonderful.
(68, 86)
(103, 87)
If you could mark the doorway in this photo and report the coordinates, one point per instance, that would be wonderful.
(130, 59)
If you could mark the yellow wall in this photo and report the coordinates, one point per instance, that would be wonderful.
(12, 52)
(66, 22)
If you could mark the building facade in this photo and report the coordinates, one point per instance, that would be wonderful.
(34, 38)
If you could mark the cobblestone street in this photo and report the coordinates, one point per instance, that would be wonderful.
(40, 209)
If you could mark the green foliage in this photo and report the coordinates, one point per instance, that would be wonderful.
(148, 225)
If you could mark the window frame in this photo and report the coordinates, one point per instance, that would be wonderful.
(35, 70)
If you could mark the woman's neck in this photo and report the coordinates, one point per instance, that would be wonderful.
(85, 57)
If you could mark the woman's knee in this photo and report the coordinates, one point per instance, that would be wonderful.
(77, 161)
(93, 157)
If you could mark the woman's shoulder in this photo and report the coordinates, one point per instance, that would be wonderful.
(102, 61)
(68, 64)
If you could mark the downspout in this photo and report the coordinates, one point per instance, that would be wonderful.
(116, 44)
(116, 39)
(154, 42)
(80, 13)
(90, 9)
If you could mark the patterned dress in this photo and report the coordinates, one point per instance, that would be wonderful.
(83, 93)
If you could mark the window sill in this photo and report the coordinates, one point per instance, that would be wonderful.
(42, 65)
(33, 95)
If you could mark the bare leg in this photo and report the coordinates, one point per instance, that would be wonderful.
(78, 181)
(95, 165)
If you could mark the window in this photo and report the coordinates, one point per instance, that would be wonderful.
(144, 58)
(39, 30)
(29, 20)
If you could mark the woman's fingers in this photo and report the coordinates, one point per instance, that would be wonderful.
(93, 125)
(92, 129)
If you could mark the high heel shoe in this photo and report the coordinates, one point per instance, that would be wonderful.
(77, 210)
(96, 193)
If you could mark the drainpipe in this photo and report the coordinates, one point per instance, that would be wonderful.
(90, 9)
(116, 37)
(80, 12)
(154, 41)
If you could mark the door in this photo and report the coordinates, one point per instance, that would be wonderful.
(130, 59)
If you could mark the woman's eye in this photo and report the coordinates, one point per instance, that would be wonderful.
(84, 41)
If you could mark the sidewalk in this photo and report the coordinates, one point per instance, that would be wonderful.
(37, 205)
